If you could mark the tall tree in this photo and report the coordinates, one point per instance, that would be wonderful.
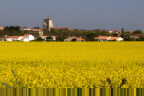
(13, 30)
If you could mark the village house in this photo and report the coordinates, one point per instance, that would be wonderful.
(31, 29)
(25, 38)
(34, 31)
(108, 38)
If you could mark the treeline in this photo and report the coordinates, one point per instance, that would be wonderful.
(136, 35)
(12, 31)
(89, 35)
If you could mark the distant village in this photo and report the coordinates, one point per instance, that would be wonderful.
(51, 33)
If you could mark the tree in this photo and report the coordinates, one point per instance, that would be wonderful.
(49, 38)
(140, 39)
(126, 36)
(13, 30)
(90, 36)
(39, 39)
(137, 32)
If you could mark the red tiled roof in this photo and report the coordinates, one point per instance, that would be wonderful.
(107, 38)
(12, 36)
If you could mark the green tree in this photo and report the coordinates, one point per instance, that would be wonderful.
(126, 36)
(13, 30)
(39, 39)
(138, 32)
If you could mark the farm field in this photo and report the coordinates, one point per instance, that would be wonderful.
(72, 64)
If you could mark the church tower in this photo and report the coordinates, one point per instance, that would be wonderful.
(48, 24)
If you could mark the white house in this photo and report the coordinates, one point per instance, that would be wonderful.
(25, 38)
(28, 38)
(12, 38)
(108, 38)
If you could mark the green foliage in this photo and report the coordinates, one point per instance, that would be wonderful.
(138, 32)
(88, 34)
(126, 36)
(65, 32)
(140, 39)
(49, 38)
(39, 39)
(13, 30)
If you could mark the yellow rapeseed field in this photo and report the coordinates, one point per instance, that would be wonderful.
(71, 64)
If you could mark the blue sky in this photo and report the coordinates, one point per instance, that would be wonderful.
(72, 13)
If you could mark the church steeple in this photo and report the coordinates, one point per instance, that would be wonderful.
(48, 24)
